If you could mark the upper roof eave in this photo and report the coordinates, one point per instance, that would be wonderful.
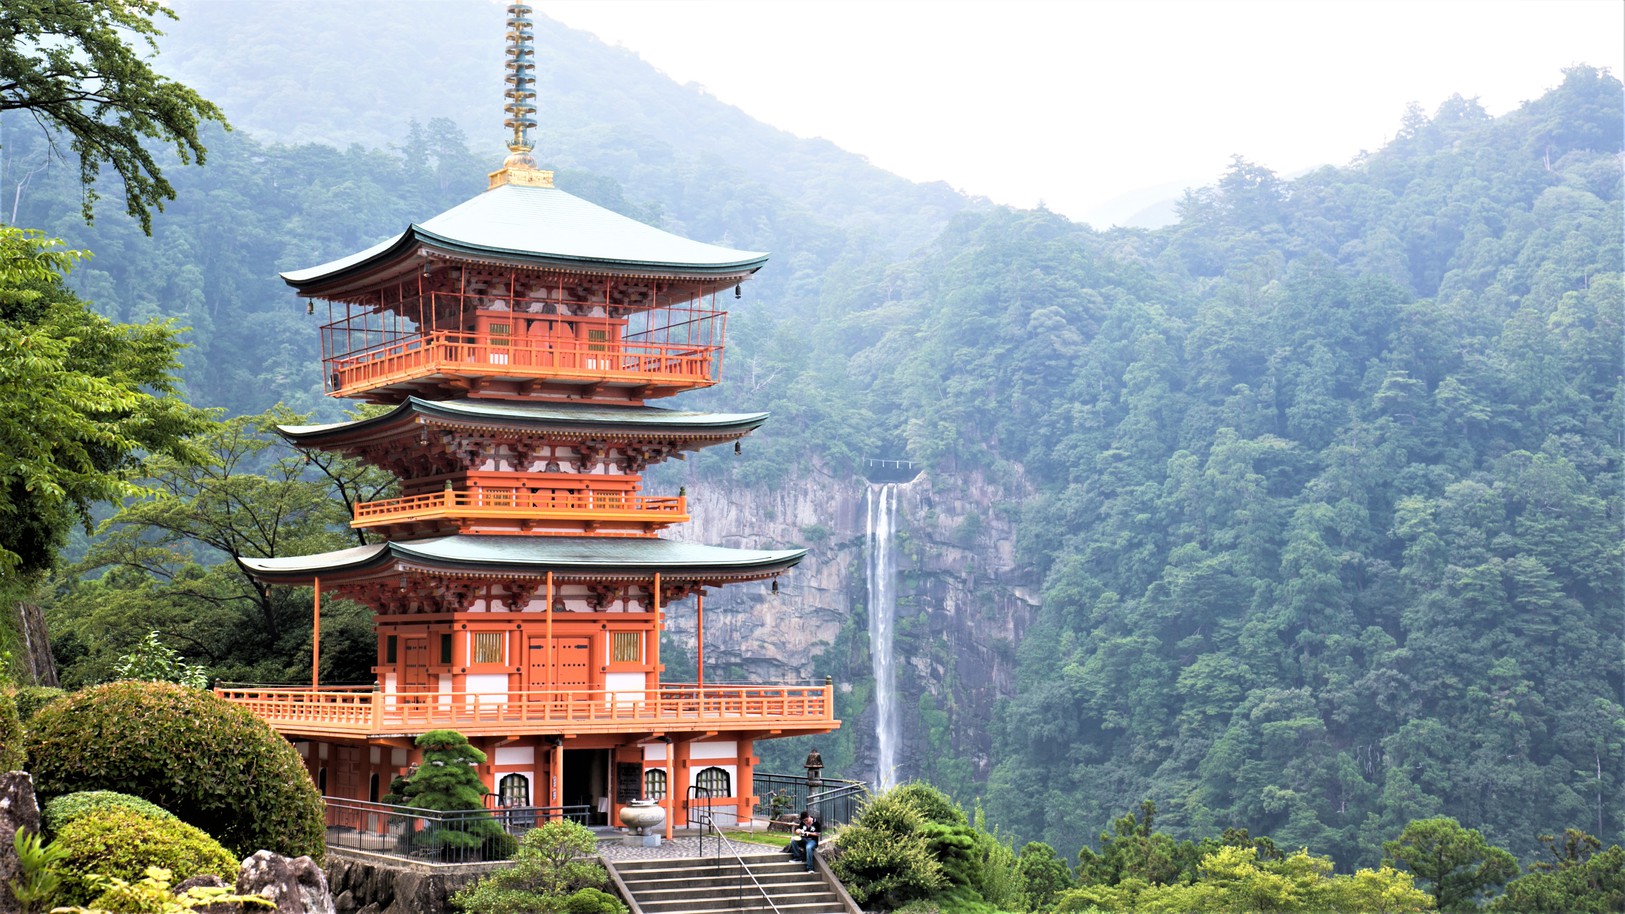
(536, 227)
(641, 420)
(610, 557)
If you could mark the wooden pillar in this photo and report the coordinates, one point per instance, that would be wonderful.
(555, 775)
(549, 633)
(316, 638)
(746, 780)
(699, 647)
(659, 626)
(671, 789)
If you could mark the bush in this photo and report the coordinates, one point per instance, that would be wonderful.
(593, 901)
(31, 698)
(120, 842)
(66, 808)
(12, 756)
(883, 869)
(553, 870)
(213, 765)
(932, 804)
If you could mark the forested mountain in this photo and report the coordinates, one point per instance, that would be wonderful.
(1322, 483)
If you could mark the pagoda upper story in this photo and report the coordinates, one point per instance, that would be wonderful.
(525, 292)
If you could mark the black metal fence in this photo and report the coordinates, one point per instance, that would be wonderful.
(433, 836)
(835, 800)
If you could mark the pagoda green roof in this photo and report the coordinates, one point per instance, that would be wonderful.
(598, 420)
(586, 556)
(541, 226)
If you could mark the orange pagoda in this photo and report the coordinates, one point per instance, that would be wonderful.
(520, 585)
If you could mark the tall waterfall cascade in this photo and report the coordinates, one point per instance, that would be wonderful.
(881, 503)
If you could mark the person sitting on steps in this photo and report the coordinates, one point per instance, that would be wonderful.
(808, 831)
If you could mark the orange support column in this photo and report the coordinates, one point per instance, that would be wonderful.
(746, 787)
(316, 638)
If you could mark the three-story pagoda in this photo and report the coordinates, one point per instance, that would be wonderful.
(520, 585)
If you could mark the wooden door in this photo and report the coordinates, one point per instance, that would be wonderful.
(415, 667)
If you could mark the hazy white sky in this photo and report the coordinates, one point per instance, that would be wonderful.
(1076, 103)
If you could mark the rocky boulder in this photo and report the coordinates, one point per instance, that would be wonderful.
(295, 886)
(19, 811)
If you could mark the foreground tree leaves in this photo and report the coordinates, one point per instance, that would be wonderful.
(82, 399)
(70, 64)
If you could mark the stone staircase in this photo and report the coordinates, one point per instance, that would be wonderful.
(716, 885)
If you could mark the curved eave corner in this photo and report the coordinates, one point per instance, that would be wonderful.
(301, 569)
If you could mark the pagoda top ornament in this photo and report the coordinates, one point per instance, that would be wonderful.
(520, 166)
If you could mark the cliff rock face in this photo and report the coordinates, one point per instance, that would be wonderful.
(36, 665)
(962, 603)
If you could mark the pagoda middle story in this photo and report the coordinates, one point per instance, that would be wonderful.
(519, 584)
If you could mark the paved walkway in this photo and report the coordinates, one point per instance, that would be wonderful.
(683, 846)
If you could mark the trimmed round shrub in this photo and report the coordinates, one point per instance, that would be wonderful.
(122, 842)
(214, 765)
(31, 698)
(66, 808)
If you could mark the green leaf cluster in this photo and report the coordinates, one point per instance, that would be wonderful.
(122, 842)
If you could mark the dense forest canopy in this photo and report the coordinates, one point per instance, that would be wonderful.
(1325, 477)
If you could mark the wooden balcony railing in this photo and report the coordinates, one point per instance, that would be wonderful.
(487, 502)
(473, 355)
(364, 712)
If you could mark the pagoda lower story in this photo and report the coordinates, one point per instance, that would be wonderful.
(545, 653)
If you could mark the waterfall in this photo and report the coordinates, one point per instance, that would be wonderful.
(881, 502)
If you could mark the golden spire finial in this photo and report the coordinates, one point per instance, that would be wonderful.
(519, 167)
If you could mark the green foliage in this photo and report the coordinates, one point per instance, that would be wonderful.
(81, 399)
(1459, 865)
(72, 68)
(171, 562)
(446, 780)
(931, 804)
(39, 873)
(1580, 878)
(31, 698)
(152, 895)
(63, 809)
(13, 755)
(213, 765)
(120, 842)
(555, 869)
(1234, 879)
(1134, 849)
(1044, 876)
(153, 661)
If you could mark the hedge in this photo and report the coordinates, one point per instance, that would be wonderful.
(210, 763)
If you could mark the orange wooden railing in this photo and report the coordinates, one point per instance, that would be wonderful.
(485, 355)
(492, 502)
(680, 707)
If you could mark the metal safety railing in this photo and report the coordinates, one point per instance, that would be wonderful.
(834, 800)
(437, 836)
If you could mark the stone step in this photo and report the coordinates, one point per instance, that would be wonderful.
(668, 879)
(720, 886)
(713, 906)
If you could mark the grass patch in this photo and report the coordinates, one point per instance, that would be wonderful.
(769, 838)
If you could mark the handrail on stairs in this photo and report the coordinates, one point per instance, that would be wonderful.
(745, 870)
